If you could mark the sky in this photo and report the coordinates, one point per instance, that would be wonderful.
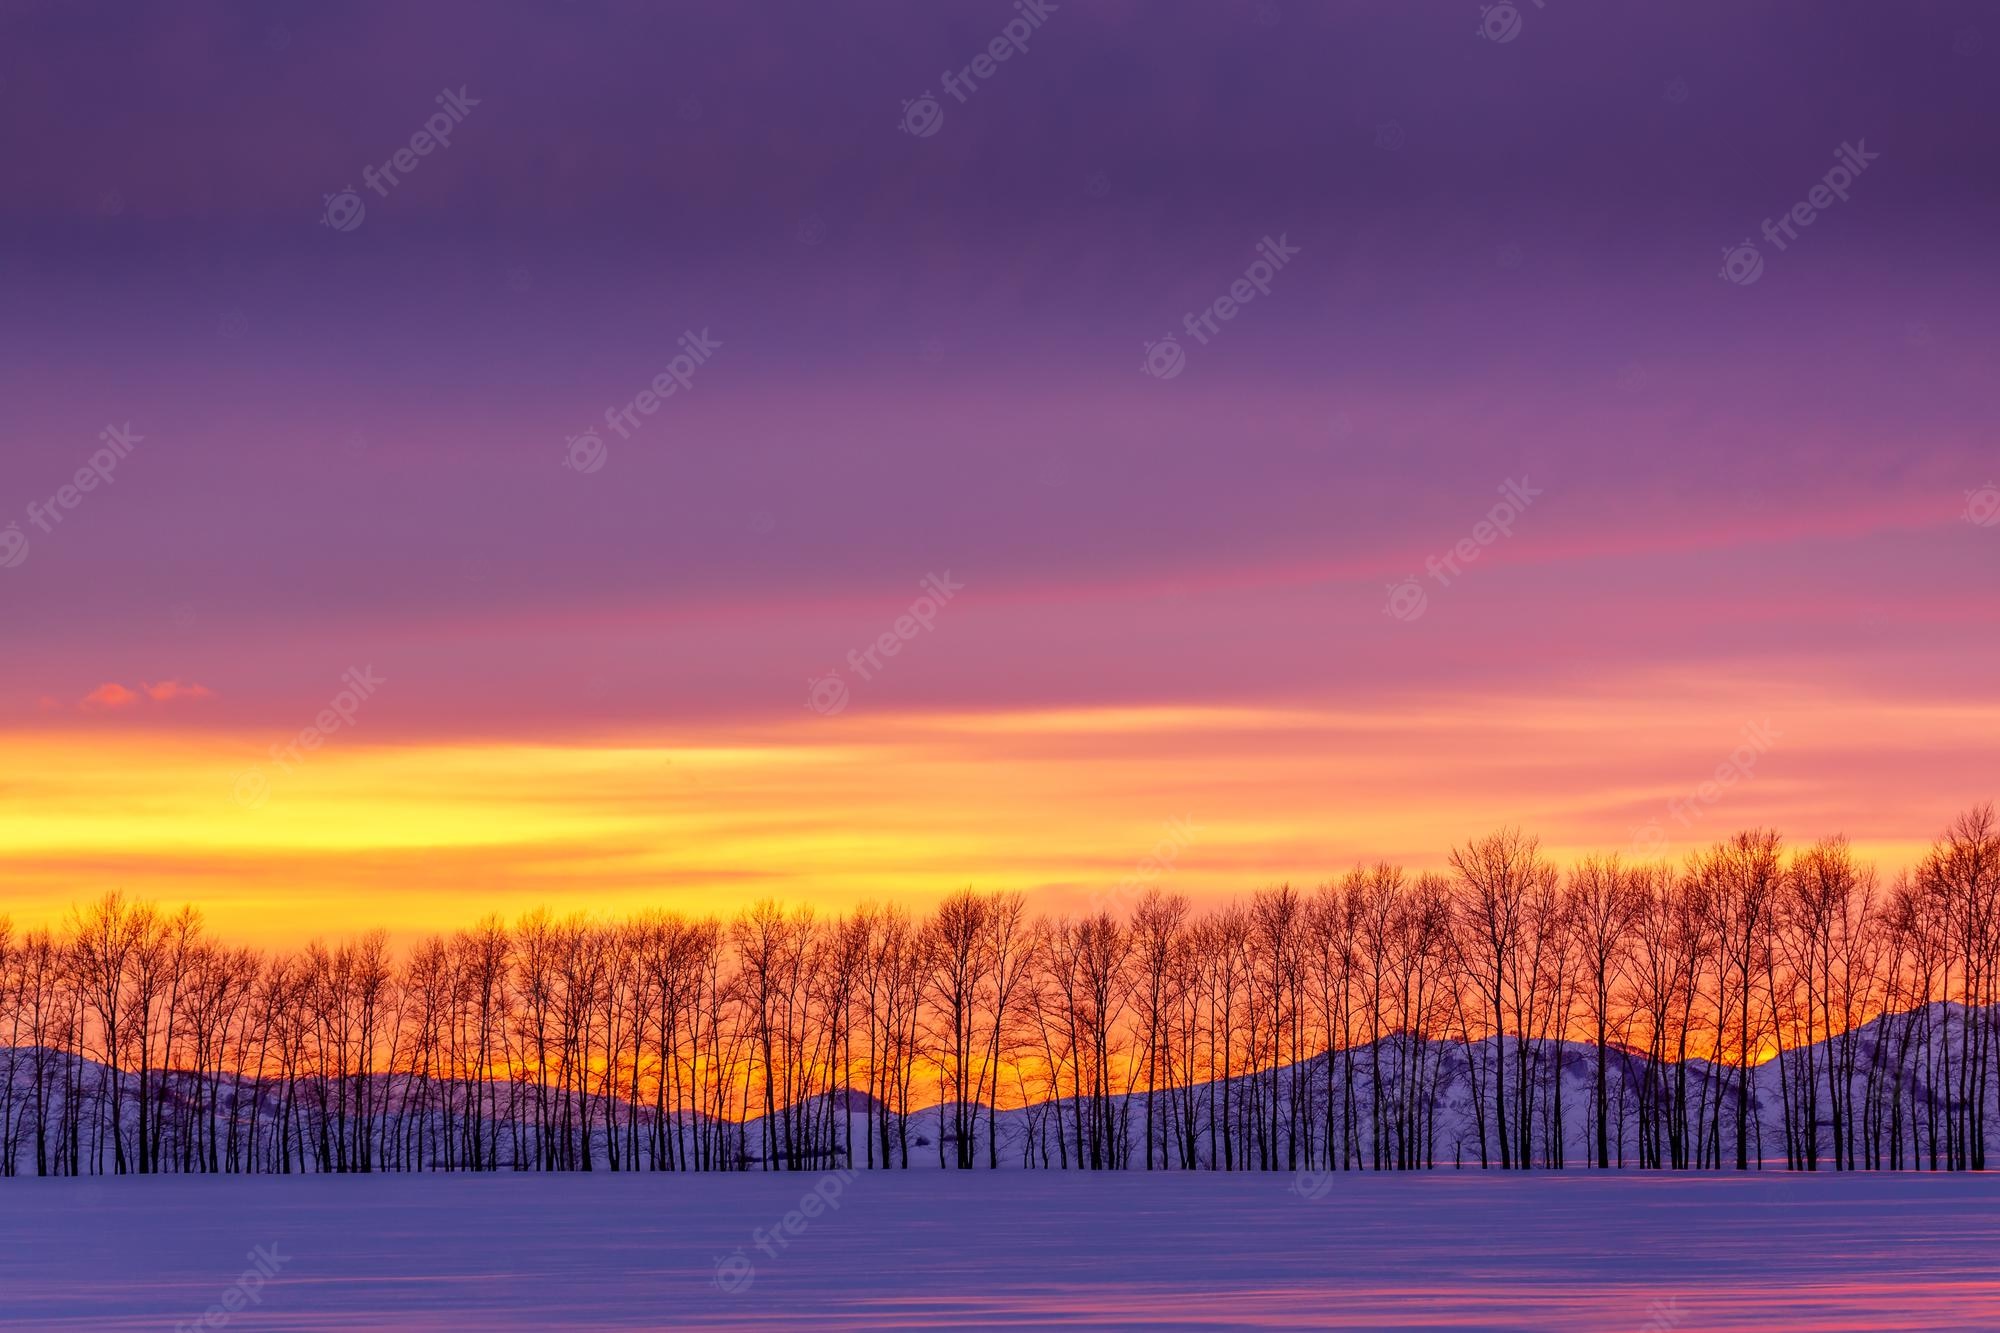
(1547, 481)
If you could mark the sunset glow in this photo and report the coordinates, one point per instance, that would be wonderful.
(426, 833)
(999, 664)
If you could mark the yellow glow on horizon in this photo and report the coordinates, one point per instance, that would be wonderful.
(1061, 803)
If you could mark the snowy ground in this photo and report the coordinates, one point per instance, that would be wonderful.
(1020, 1249)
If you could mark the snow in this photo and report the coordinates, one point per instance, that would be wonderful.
(1462, 1250)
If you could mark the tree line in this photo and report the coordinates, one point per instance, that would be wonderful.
(1503, 1012)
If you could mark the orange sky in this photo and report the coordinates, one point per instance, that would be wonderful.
(1064, 804)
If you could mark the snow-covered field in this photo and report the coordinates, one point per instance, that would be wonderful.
(1015, 1249)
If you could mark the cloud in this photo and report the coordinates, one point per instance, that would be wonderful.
(111, 695)
(169, 690)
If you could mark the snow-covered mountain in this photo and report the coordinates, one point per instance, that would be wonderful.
(1437, 1107)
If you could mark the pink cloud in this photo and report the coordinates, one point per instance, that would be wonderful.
(169, 690)
(112, 695)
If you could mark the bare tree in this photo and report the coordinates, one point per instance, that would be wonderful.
(1497, 873)
(1606, 902)
(1751, 990)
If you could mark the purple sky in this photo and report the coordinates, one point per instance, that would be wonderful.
(931, 357)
